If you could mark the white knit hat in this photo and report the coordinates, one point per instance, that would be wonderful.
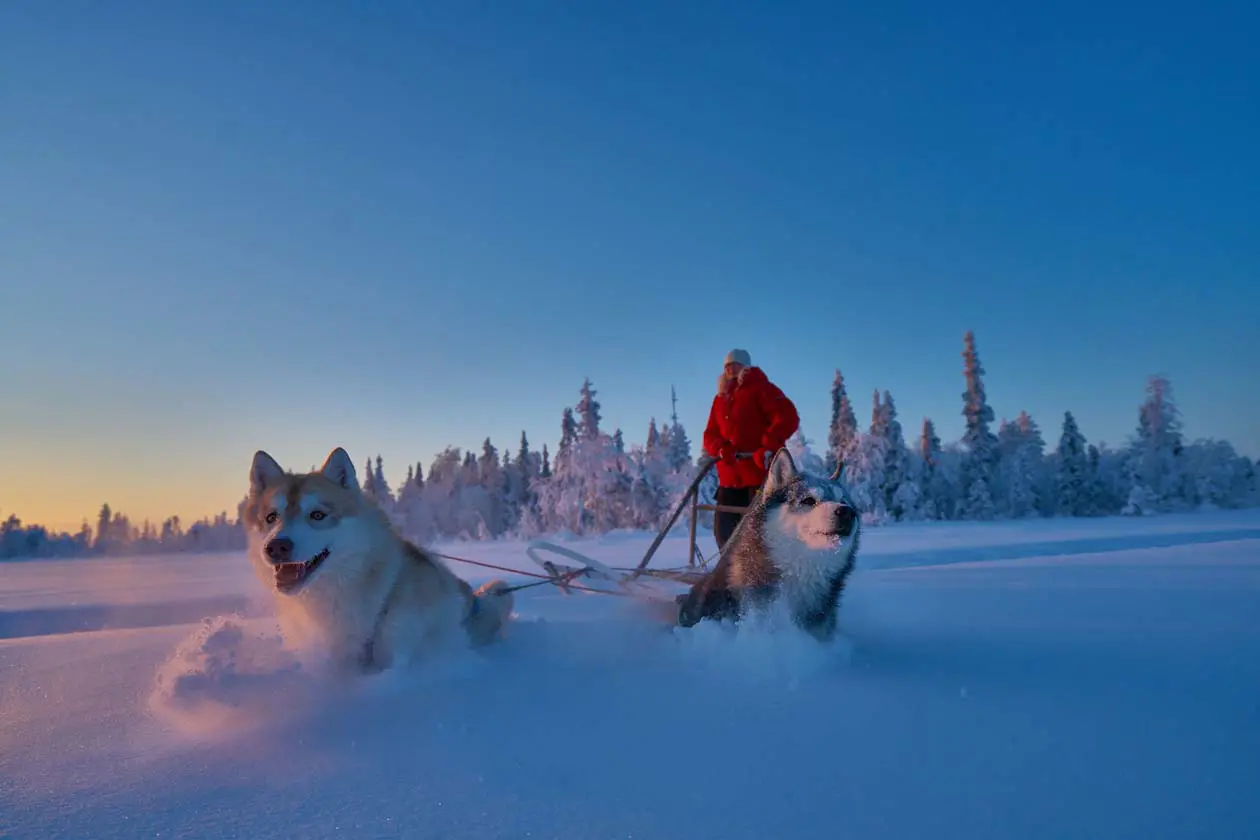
(739, 357)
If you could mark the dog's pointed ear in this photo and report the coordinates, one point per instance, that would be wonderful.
(263, 471)
(339, 469)
(782, 471)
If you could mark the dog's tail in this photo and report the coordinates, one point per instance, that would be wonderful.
(492, 606)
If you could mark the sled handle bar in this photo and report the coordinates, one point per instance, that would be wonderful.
(707, 463)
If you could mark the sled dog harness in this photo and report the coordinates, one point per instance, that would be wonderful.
(367, 656)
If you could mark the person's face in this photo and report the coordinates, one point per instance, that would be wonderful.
(733, 369)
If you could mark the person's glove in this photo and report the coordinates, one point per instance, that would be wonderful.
(762, 458)
(727, 455)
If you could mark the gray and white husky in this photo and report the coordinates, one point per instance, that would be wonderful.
(795, 546)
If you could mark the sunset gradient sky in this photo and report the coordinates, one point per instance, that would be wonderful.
(232, 226)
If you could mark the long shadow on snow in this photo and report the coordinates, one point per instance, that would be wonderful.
(1049, 548)
(17, 624)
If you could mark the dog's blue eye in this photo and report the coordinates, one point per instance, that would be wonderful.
(317, 515)
(272, 517)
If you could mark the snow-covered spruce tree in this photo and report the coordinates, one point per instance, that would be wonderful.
(82, 541)
(568, 431)
(679, 453)
(1036, 467)
(1072, 470)
(588, 412)
(979, 501)
(558, 495)
(653, 452)
(901, 497)
(933, 490)
(519, 497)
(658, 483)
(1156, 448)
(981, 444)
(589, 489)
(1019, 482)
(609, 485)
(491, 479)
(527, 468)
(172, 535)
(430, 515)
(1007, 449)
(865, 467)
(653, 443)
(1095, 492)
(383, 495)
(842, 433)
(105, 540)
(417, 522)
(557, 488)
(648, 501)
(380, 485)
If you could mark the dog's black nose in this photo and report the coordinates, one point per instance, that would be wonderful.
(845, 519)
(280, 550)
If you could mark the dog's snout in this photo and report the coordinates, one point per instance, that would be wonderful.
(280, 550)
(845, 519)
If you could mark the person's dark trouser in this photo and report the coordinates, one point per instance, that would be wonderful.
(723, 522)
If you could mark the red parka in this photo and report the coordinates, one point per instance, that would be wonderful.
(754, 416)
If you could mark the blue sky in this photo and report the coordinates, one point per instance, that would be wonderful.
(391, 227)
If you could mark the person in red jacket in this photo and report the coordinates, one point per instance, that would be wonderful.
(750, 420)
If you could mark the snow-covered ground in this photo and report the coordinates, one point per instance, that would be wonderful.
(1042, 679)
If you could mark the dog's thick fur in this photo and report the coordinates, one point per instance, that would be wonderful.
(345, 580)
(797, 544)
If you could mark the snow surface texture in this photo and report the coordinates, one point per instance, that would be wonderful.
(1040, 679)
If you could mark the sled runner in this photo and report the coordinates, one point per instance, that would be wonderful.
(598, 576)
(578, 572)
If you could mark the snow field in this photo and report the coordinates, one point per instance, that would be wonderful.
(1032, 679)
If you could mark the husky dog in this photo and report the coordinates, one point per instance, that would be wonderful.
(797, 542)
(344, 579)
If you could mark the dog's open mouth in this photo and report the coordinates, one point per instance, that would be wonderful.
(837, 536)
(289, 576)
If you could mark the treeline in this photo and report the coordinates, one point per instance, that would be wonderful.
(1014, 472)
(595, 482)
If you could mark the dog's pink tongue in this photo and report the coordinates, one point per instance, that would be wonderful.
(289, 574)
